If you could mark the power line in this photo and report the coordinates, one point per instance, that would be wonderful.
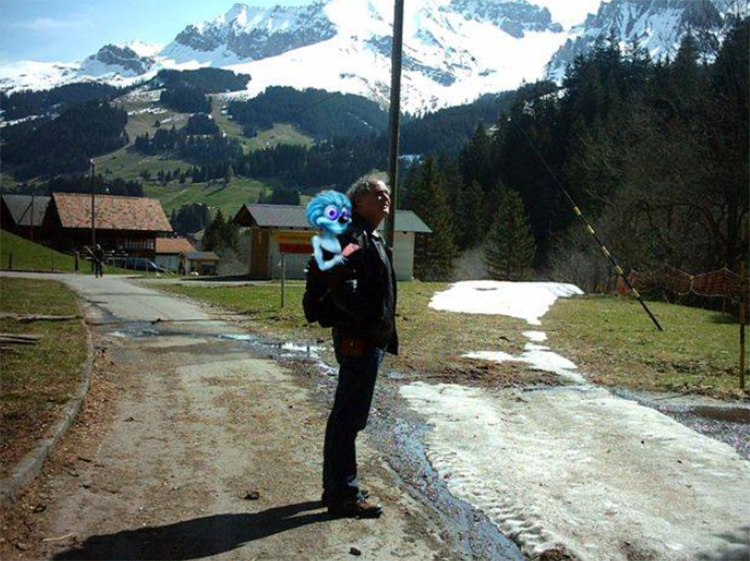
(586, 224)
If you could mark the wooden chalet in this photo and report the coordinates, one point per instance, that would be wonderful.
(124, 225)
(23, 215)
(283, 229)
(168, 252)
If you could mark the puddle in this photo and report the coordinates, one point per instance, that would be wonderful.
(399, 434)
(307, 349)
(237, 337)
(243, 342)
(737, 415)
(136, 333)
(726, 423)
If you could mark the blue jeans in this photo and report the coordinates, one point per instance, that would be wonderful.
(351, 407)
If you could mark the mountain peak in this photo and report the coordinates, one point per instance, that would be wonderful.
(454, 50)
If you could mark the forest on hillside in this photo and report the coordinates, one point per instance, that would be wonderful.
(654, 152)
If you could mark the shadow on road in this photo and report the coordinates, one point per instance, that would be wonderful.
(200, 537)
(737, 547)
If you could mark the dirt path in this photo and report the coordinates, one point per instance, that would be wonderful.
(181, 424)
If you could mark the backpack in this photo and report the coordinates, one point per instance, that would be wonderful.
(317, 302)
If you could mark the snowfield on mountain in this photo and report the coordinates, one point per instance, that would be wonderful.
(454, 50)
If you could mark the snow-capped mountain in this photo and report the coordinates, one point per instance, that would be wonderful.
(655, 25)
(454, 50)
(117, 60)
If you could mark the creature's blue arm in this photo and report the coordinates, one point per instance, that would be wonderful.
(324, 265)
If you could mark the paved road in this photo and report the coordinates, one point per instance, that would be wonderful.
(182, 421)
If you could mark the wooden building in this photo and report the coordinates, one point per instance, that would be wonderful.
(23, 215)
(124, 225)
(283, 229)
(200, 262)
(168, 252)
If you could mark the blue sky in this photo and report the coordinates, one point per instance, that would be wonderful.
(67, 30)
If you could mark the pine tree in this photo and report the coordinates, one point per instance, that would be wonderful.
(510, 246)
(469, 224)
(434, 253)
(475, 161)
(212, 237)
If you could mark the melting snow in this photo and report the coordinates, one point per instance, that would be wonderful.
(578, 467)
(524, 300)
(538, 357)
(536, 336)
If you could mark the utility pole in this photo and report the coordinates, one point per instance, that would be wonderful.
(395, 114)
(743, 306)
(32, 218)
(93, 214)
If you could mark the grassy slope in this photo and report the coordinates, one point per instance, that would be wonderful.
(37, 380)
(127, 163)
(610, 339)
(281, 133)
(229, 199)
(31, 256)
(614, 340)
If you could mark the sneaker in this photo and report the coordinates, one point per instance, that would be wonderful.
(354, 508)
(324, 497)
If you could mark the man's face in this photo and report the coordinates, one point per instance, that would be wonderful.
(375, 205)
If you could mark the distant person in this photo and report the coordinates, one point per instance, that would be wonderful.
(363, 291)
(98, 261)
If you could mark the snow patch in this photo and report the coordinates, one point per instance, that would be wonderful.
(539, 357)
(580, 468)
(523, 300)
(536, 336)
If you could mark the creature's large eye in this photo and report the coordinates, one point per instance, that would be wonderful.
(345, 215)
(331, 212)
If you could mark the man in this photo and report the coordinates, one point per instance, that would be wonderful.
(98, 261)
(363, 291)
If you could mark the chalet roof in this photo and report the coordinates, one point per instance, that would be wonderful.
(293, 216)
(173, 246)
(22, 206)
(202, 256)
(112, 212)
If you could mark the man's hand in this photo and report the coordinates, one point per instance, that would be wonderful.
(349, 249)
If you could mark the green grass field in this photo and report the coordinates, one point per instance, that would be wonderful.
(609, 339)
(126, 163)
(37, 380)
(217, 196)
(614, 340)
(281, 133)
(28, 256)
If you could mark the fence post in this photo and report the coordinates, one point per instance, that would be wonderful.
(283, 277)
(742, 324)
(742, 315)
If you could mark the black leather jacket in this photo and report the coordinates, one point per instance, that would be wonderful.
(364, 288)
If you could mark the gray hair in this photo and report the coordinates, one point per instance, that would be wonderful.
(363, 186)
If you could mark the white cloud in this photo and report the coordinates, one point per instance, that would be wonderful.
(53, 24)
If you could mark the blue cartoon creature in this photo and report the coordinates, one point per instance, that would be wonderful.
(330, 211)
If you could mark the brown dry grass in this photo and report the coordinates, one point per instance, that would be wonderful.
(37, 380)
